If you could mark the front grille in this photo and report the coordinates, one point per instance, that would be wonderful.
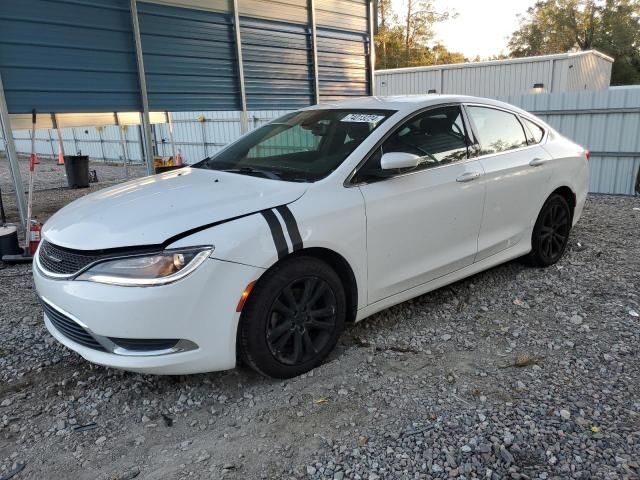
(63, 261)
(145, 345)
(69, 328)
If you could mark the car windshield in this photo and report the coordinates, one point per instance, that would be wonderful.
(301, 146)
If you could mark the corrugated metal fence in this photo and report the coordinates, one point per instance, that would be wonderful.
(606, 122)
(196, 134)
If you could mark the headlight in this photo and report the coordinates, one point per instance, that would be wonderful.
(147, 270)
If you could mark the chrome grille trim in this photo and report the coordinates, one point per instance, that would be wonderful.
(58, 262)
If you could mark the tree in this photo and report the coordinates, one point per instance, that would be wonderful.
(419, 20)
(403, 42)
(385, 17)
(557, 26)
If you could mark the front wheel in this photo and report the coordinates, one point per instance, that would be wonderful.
(293, 318)
(550, 233)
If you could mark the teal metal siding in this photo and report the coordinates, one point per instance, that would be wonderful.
(278, 64)
(68, 56)
(79, 55)
(342, 64)
(189, 58)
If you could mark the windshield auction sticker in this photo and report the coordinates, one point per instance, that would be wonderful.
(362, 118)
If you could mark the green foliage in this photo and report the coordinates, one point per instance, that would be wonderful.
(403, 42)
(557, 26)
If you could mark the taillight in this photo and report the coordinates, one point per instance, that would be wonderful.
(587, 154)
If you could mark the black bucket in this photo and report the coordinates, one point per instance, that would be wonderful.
(9, 240)
(77, 168)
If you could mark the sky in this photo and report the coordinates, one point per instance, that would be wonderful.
(482, 26)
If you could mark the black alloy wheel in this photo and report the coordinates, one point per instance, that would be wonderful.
(293, 318)
(551, 232)
(555, 231)
(301, 320)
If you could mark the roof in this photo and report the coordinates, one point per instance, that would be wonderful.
(540, 58)
(408, 103)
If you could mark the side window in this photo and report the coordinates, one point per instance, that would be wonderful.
(438, 136)
(498, 130)
(534, 132)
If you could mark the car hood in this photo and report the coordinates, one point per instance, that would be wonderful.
(151, 210)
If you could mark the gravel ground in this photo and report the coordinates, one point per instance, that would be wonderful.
(513, 373)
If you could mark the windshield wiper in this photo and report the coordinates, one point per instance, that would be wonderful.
(254, 171)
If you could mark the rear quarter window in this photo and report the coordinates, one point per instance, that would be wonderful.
(534, 132)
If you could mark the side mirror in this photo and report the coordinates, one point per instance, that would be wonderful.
(394, 160)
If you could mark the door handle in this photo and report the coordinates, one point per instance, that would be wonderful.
(468, 176)
(536, 162)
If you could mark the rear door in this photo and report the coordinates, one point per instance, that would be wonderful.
(517, 171)
(422, 223)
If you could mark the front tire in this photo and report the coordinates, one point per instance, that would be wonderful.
(293, 318)
(550, 233)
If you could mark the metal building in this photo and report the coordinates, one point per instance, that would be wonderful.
(567, 72)
(109, 58)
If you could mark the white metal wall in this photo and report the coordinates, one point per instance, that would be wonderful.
(196, 134)
(558, 73)
(100, 143)
(606, 122)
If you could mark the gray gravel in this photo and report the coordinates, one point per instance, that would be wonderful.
(514, 373)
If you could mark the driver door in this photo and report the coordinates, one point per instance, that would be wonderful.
(422, 223)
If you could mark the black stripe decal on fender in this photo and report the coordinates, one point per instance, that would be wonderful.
(276, 233)
(292, 226)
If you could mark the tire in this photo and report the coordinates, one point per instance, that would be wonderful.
(551, 232)
(293, 318)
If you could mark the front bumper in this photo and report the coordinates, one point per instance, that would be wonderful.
(198, 310)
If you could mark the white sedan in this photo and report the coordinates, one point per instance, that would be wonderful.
(322, 217)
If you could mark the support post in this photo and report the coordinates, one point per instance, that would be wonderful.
(53, 150)
(54, 122)
(372, 49)
(146, 122)
(171, 139)
(141, 135)
(99, 130)
(314, 51)
(10, 149)
(244, 122)
(75, 141)
(203, 128)
(123, 143)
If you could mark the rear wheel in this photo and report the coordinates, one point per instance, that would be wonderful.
(550, 233)
(293, 318)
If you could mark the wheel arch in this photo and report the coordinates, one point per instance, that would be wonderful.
(340, 265)
(568, 194)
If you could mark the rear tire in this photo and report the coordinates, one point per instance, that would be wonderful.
(293, 318)
(551, 232)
